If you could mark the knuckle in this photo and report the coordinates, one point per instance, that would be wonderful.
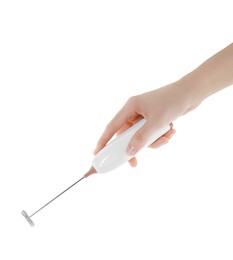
(132, 100)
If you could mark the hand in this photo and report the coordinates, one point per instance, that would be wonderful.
(159, 107)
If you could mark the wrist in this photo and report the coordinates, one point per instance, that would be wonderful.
(195, 85)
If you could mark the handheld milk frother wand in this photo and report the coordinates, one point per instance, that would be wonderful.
(110, 157)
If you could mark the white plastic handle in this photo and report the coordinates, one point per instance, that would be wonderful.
(114, 154)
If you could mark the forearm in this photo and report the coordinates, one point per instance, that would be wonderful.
(213, 75)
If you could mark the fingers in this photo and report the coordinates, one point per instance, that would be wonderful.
(124, 115)
(143, 134)
(163, 139)
(133, 162)
(128, 124)
(140, 138)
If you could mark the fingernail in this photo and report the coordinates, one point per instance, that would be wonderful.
(131, 150)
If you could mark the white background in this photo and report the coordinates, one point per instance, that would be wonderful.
(66, 67)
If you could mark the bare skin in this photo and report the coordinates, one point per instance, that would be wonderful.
(164, 105)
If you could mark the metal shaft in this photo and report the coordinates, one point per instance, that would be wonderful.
(56, 197)
(28, 218)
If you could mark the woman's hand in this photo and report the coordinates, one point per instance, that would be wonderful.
(162, 106)
(159, 107)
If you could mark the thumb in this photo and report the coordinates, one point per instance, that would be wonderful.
(140, 138)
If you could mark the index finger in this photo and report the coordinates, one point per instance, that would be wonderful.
(113, 126)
